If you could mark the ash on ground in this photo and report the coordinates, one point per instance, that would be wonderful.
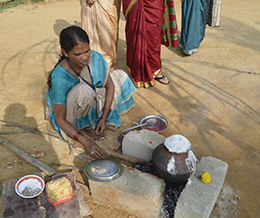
(172, 191)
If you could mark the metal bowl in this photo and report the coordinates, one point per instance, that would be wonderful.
(103, 170)
(160, 125)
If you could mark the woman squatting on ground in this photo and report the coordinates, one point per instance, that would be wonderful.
(83, 97)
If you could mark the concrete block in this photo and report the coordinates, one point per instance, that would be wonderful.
(141, 143)
(198, 199)
(140, 194)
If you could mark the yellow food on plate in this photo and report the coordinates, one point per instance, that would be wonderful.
(58, 189)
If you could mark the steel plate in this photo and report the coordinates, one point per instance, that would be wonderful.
(103, 170)
(160, 126)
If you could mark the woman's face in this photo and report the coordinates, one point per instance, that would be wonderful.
(79, 55)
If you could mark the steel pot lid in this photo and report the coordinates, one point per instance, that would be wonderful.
(103, 170)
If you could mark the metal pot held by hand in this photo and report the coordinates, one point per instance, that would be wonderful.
(175, 160)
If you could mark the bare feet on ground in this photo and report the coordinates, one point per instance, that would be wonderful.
(112, 67)
(114, 128)
(91, 133)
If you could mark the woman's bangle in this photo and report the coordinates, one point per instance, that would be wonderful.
(76, 136)
(102, 118)
(108, 109)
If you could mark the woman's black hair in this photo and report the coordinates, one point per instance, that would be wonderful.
(69, 38)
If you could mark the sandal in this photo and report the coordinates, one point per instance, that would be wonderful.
(161, 79)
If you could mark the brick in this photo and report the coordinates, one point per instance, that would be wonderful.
(141, 143)
(198, 199)
(140, 194)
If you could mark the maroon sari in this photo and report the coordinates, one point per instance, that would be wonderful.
(143, 39)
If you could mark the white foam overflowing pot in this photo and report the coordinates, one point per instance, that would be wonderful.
(175, 160)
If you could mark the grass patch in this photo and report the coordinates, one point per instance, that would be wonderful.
(10, 4)
(36, 1)
(15, 3)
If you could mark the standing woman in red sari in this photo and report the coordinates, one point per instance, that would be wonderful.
(145, 21)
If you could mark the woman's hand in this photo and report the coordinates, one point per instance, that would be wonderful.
(93, 149)
(101, 127)
(60, 113)
(110, 89)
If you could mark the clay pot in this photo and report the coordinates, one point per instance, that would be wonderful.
(174, 167)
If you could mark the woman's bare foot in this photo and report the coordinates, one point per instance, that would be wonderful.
(112, 67)
(91, 133)
(113, 128)
(101, 137)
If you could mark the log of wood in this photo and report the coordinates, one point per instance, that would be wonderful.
(68, 166)
(44, 167)
(111, 153)
(120, 156)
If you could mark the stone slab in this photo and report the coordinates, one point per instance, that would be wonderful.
(198, 199)
(140, 194)
(140, 144)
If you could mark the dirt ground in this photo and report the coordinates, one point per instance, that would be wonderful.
(211, 100)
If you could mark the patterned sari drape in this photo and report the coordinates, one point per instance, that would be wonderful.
(148, 24)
